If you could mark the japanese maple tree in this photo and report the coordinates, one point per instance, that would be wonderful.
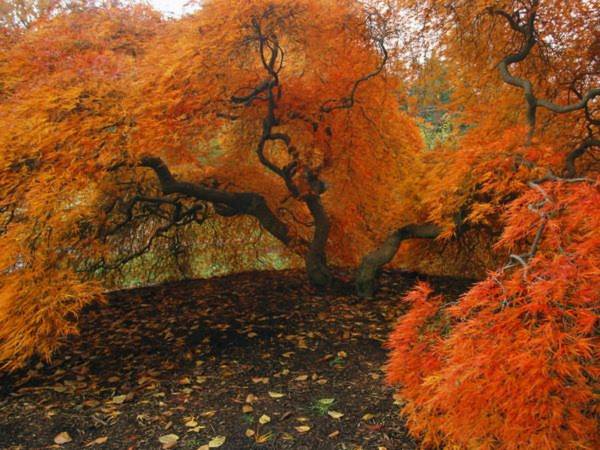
(125, 133)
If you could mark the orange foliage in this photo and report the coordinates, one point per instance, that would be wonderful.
(130, 143)
(358, 152)
(62, 83)
(87, 93)
(512, 364)
(519, 367)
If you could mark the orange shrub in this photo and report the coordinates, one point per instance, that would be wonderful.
(519, 368)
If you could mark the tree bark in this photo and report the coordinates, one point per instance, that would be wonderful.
(371, 264)
(316, 260)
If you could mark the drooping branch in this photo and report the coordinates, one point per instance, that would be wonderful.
(571, 171)
(348, 101)
(237, 203)
(372, 263)
(527, 30)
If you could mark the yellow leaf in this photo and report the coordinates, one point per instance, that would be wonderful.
(62, 438)
(217, 441)
(97, 441)
(168, 440)
(335, 414)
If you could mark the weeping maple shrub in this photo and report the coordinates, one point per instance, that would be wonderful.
(119, 129)
(512, 364)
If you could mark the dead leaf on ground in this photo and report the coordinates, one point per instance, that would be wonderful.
(62, 438)
(217, 441)
(263, 438)
(168, 440)
(191, 423)
(335, 414)
(97, 441)
(119, 399)
(247, 409)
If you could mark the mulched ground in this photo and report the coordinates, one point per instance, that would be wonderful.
(254, 360)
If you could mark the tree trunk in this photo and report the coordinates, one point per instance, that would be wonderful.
(371, 264)
(316, 259)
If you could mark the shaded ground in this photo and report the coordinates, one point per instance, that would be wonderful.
(207, 359)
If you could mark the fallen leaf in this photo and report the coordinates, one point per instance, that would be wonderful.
(191, 423)
(368, 416)
(276, 394)
(246, 409)
(249, 432)
(327, 401)
(119, 399)
(375, 426)
(62, 438)
(264, 419)
(334, 434)
(91, 403)
(168, 440)
(208, 413)
(301, 378)
(335, 414)
(97, 441)
(264, 380)
(217, 441)
(302, 428)
(263, 438)
(251, 398)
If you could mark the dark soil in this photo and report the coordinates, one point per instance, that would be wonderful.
(189, 358)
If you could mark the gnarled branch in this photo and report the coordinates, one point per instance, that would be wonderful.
(248, 203)
(527, 30)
